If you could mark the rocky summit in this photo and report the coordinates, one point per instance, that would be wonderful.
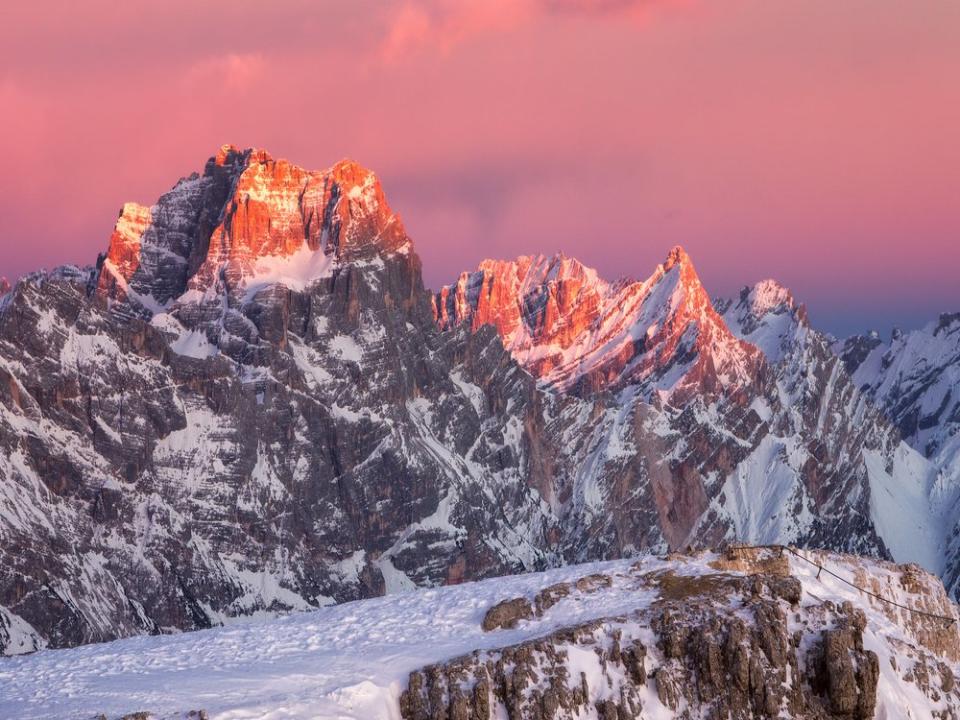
(252, 405)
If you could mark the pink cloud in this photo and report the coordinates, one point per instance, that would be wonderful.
(231, 72)
(441, 24)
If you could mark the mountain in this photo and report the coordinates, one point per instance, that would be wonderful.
(742, 634)
(738, 417)
(825, 409)
(577, 332)
(251, 405)
(915, 378)
(246, 408)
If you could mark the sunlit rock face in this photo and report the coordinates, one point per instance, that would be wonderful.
(249, 221)
(251, 404)
(578, 332)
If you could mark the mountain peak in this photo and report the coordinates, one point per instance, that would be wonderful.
(350, 172)
(768, 296)
(676, 256)
(226, 155)
(4, 286)
(758, 303)
(767, 316)
(572, 329)
(678, 260)
(246, 216)
(946, 322)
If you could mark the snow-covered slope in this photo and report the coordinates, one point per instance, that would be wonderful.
(825, 407)
(355, 661)
(915, 378)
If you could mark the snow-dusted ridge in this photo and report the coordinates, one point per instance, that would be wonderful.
(915, 378)
(577, 332)
(911, 498)
(352, 661)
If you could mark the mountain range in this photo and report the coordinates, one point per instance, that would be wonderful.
(251, 404)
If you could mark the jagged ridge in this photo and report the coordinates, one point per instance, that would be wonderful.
(577, 332)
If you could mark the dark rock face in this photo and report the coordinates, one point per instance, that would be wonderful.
(178, 449)
(846, 672)
(248, 405)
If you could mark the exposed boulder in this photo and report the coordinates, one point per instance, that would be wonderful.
(507, 614)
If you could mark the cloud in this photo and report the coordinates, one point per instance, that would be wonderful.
(598, 7)
(234, 72)
(440, 25)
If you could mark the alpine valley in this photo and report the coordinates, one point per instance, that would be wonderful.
(252, 405)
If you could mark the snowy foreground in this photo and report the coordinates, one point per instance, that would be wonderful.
(352, 661)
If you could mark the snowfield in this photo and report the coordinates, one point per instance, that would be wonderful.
(347, 661)
(352, 661)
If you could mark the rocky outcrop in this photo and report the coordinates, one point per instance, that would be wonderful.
(725, 644)
(507, 614)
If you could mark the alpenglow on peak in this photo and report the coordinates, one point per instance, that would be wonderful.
(246, 222)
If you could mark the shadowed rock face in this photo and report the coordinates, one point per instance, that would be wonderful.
(252, 404)
(189, 439)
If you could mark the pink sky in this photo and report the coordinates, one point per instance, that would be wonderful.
(814, 141)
